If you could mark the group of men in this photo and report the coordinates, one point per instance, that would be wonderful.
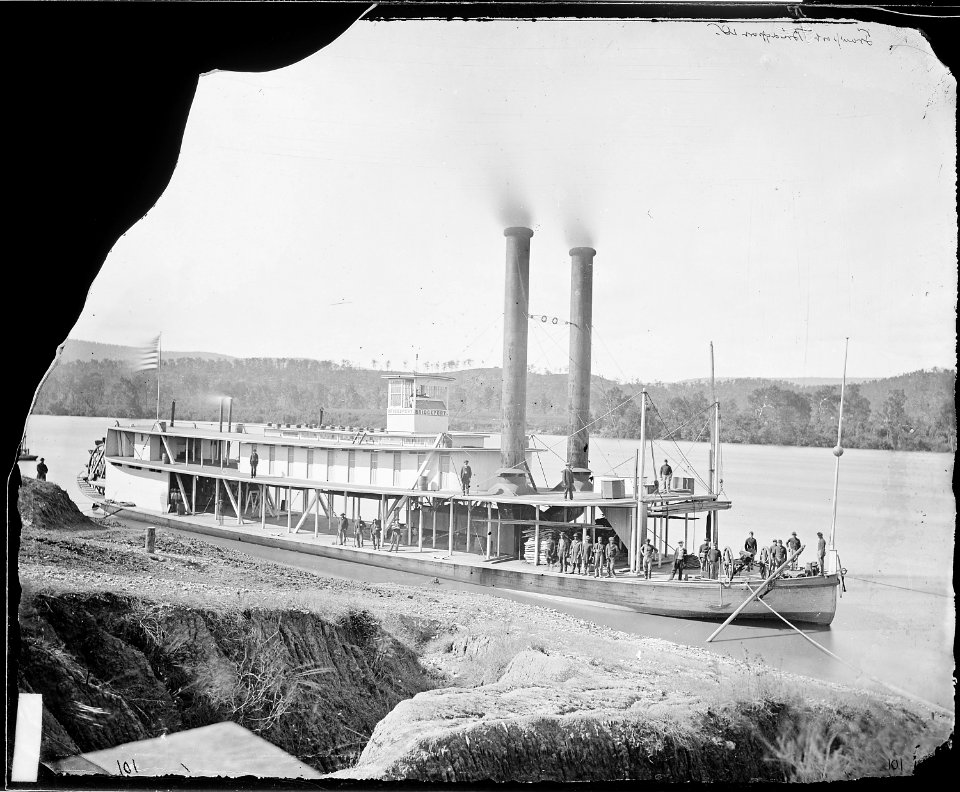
(581, 556)
(375, 532)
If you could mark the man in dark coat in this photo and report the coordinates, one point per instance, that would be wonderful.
(678, 561)
(466, 473)
(666, 472)
(567, 482)
(254, 459)
(41, 470)
(751, 547)
(793, 544)
(713, 561)
(821, 551)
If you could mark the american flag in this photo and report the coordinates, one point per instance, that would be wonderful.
(148, 357)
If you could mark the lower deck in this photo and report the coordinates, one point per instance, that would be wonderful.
(805, 599)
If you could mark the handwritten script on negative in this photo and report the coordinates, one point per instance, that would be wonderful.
(795, 33)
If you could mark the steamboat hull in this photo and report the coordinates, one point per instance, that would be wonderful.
(811, 600)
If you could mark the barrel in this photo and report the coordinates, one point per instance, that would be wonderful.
(422, 482)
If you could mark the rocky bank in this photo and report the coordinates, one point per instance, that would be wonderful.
(399, 683)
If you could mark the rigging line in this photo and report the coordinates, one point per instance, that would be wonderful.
(595, 420)
(593, 332)
(669, 434)
(536, 439)
(680, 450)
(688, 464)
(902, 588)
(582, 367)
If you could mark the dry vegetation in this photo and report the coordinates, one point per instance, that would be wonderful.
(474, 653)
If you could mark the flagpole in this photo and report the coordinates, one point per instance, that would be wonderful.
(838, 451)
(159, 361)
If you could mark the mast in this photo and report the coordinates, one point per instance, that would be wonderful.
(641, 512)
(714, 427)
(838, 451)
(714, 448)
(159, 361)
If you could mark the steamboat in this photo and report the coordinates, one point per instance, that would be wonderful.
(498, 531)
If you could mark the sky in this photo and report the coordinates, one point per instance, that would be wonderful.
(770, 193)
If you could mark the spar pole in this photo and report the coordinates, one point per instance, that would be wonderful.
(838, 451)
(159, 361)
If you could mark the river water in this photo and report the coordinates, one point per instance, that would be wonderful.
(895, 535)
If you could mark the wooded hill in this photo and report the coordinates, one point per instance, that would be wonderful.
(912, 411)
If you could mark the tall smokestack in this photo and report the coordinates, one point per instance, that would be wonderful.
(513, 442)
(581, 331)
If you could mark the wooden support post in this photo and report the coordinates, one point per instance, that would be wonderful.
(658, 535)
(450, 531)
(685, 526)
(316, 515)
(536, 538)
(289, 509)
(193, 500)
(150, 543)
(593, 524)
(263, 505)
(306, 512)
(489, 529)
(382, 514)
(409, 526)
(216, 499)
(433, 510)
(499, 529)
(332, 513)
(236, 506)
(183, 493)
(420, 528)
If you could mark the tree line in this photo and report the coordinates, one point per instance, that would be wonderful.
(914, 411)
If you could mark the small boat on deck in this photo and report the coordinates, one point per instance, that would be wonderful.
(469, 506)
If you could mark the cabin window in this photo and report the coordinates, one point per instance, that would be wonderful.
(396, 468)
(373, 467)
(351, 464)
(309, 463)
(271, 458)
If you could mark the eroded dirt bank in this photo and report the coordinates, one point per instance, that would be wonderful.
(428, 684)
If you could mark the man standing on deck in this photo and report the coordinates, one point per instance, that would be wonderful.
(254, 459)
(773, 555)
(567, 482)
(466, 473)
(341, 528)
(599, 557)
(551, 552)
(613, 550)
(678, 561)
(358, 527)
(564, 551)
(764, 560)
(702, 554)
(395, 533)
(751, 547)
(576, 554)
(781, 555)
(376, 532)
(41, 470)
(793, 544)
(665, 474)
(821, 551)
(587, 552)
(646, 553)
(713, 561)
